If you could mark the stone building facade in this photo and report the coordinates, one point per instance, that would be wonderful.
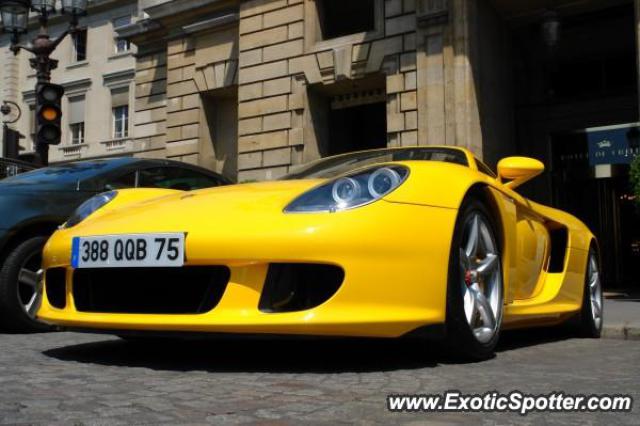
(253, 87)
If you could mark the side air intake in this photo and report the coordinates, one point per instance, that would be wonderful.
(291, 287)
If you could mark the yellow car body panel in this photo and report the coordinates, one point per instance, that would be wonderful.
(375, 299)
(394, 253)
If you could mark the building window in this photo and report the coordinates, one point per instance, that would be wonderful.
(121, 45)
(80, 46)
(339, 18)
(77, 133)
(120, 112)
(219, 129)
(76, 120)
(121, 122)
(350, 119)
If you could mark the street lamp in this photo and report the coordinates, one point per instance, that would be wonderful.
(74, 7)
(551, 28)
(15, 14)
(43, 7)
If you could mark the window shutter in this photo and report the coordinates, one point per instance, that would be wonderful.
(119, 97)
(76, 110)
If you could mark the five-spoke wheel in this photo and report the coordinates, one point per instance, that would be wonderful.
(481, 277)
(475, 289)
(590, 318)
(28, 279)
(19, 277)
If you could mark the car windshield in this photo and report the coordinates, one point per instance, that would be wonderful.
(335, 166)
(63, 174)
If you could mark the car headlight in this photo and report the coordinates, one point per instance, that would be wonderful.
(89, 207)
(347, 192)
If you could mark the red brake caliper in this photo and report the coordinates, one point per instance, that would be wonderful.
(467, 277)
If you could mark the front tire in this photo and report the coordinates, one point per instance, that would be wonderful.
(475, 285)
(19, 298)
(590, 319)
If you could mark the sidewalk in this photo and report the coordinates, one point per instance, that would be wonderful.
(621, 316)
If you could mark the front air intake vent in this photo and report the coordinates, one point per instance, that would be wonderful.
(291, 287)
(185, 290)
(55, 287)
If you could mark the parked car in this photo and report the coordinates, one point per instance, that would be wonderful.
(11, 167)
(34, 204)
(420, 241)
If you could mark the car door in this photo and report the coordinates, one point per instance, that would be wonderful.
(530, 247)
(532, 250)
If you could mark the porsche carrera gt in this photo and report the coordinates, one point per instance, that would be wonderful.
(419, 241)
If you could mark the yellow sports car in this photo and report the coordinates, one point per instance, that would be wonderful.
(420, 241)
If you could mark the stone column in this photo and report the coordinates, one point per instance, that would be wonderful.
(467, 113)
(11, 76)
(434, 73)
(10, 82)
(448, 113)
(150, 107)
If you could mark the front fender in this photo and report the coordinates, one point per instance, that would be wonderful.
(446, 185)
(128, 197)
(438, 184)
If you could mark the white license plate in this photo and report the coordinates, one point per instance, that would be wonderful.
(128, 250)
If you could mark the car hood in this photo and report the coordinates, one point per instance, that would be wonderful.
(207, 208)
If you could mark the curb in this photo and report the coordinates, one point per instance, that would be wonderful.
(621, 332)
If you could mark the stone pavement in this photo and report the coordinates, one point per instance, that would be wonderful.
(70, 378)
(622, 317)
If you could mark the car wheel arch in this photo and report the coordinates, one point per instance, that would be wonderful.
(42, 227)
(481, 192)
(488, 196)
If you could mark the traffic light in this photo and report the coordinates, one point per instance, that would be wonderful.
(11, 139)
(48, 113)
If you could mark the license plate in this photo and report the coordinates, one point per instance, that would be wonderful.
(126, 251)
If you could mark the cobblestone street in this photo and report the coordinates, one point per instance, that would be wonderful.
(69, 378)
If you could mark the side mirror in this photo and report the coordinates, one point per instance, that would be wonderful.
(514, 171)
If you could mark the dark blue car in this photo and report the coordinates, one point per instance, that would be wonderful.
(34, 204)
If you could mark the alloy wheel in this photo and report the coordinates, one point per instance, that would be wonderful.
(595, 290)
(28, 279)
(481, 278)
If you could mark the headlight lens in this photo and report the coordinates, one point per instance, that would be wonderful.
(89, 207)
(345, 190)
(351, 191)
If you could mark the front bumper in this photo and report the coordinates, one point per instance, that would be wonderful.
(394, 257)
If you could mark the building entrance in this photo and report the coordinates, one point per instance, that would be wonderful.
(357, 128)
(349, 115)
(575, 71)
(601, 197)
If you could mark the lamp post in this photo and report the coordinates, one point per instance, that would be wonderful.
(551, 29)
(15, 20)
